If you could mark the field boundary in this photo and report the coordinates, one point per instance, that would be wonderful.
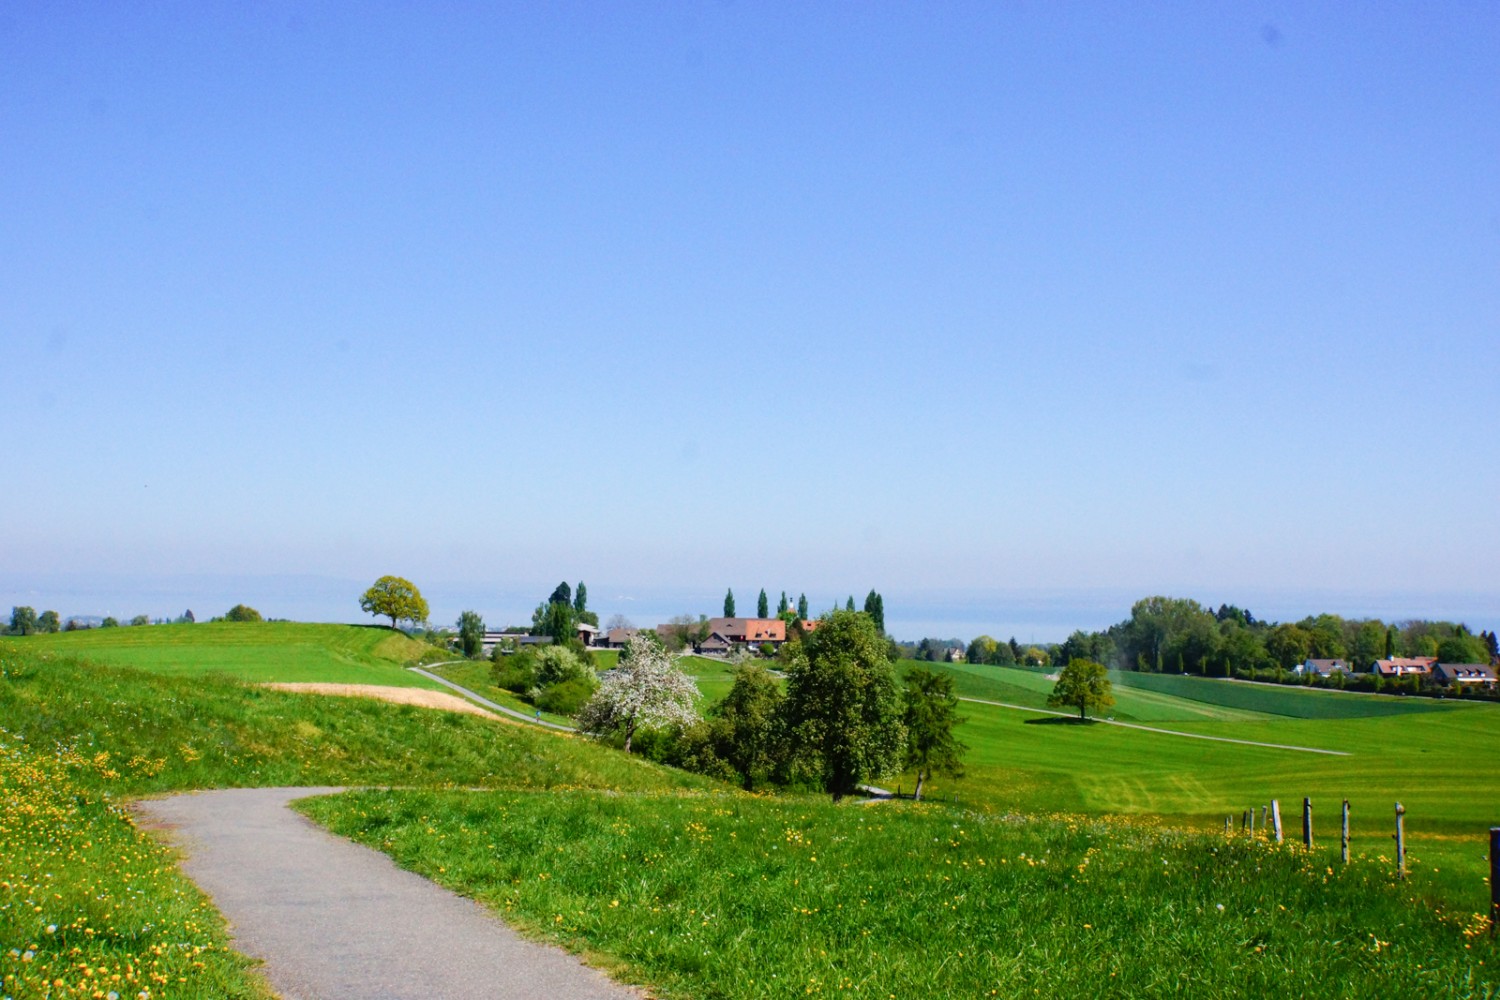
(1165, 732)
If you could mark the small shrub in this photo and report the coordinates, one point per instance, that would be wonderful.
(516, 672)
(565, 697)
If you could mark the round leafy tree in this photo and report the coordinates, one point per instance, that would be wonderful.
(397, 598)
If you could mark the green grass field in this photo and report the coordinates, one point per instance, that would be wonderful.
(249, 651)
(695, 851)
(732, 896)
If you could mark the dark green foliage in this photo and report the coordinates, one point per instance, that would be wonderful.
(581, 600)
(931, 714)
(762, 605)
(843, 710)
(744, 725)
(1084, 685)
(556, 619)
(48, 622)
(110, 621)
(782, 606)
(875, 608)
(245, 613)
(802, 607)
(565, 697)
(1463, 649)
(729, 603)
(849, 604)
(22, 621)
(471, 634)
(515, 672)
(562, 594)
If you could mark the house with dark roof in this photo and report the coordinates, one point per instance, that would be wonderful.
(1322, 668)
(1464, 675)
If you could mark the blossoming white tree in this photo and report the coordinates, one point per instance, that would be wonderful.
(645, 691)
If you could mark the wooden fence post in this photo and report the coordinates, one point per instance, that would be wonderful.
(1251, 814)
(1494, 878)
(1307, 822)
(1276, 818)
(1400, 840)
(1344, 837)
(1263, 818)
(1226, 826)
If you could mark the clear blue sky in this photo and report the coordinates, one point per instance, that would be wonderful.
(986, 299)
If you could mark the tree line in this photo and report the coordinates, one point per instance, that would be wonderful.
(1180, 636)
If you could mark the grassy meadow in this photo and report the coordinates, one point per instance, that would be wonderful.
(257, 652)
(1077, 860)
(731, 895)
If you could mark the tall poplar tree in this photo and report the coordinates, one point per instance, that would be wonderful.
(729, 603)
(581, 598)
(802, 606)
(762, 606)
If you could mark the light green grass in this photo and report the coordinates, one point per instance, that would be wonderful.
(165, 733)
(729, 896)
(249, 651)
(89, 907)
(1030, 763)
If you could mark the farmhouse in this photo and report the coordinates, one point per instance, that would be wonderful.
(616, 638)
(1464, 674)
(512, 640)
(749, 631)
(1402, 666)
(1322, 668)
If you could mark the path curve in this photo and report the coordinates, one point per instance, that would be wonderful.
(481, 699)
(333, 920)
(1164, 732)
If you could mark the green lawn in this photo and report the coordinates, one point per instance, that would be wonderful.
(248, 651)
(731, 896)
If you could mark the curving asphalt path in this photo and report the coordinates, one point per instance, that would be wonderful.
(482, 700)
(336, 921)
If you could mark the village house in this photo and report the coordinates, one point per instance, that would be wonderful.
(1403, 666)
(616, 638)
(1322, 668)
(1464, 674)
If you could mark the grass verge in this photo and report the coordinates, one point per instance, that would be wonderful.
(733, 896)
(91, 907)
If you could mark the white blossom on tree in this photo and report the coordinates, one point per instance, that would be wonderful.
(644, 692)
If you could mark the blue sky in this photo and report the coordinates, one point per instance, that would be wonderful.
(978, 305)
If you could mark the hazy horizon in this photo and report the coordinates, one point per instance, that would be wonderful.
(1028, 616)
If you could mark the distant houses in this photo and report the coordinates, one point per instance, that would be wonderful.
(1464, 675)
(1403, 666)
(1322, 668)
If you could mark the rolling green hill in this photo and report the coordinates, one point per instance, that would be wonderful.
(248, 651)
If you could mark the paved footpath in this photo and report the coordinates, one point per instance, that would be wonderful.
(333, 920)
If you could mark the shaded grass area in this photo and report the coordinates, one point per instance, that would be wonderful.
(249, 651)
(477, 677)
(162, 733)
(89, 906)
(733, 896)
(1275, 699)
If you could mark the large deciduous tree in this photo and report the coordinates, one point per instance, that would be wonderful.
(842, 708)
(746, 720)
(395, 598)
(48, 621)
(22, 620)
(471, 633)
(645, 691)
(931, 714)
(245, 613)
(1084, 685)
